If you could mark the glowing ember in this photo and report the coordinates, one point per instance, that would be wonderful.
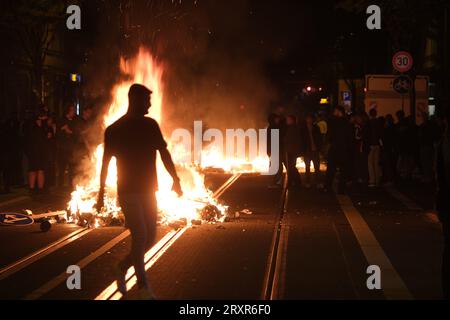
(143, 69)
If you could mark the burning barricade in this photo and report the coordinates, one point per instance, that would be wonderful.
(197, 202)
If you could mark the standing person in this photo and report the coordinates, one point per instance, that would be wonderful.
(323, 126)
(339, 138)
(443, 201)
(426, 147)
(404, 146)
(133, 140)
(375, 135)
(360, 150)
(67, 139)
(4, 177)
(292, 150)
(36, 153)
(389, 154)
(275, 123)
(12, 150)
(52, 152)
(313, 145)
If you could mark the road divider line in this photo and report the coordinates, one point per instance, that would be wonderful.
(346, 263)
(279, 278)
(36, 294)
(219, 192)
(111, 290)
(273, 285)
(41, 253)
(393, 286)
(153, 257)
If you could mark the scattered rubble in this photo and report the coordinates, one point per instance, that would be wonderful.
(210, 213)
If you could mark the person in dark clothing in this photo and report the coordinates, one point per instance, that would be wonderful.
(339, 138)
(36, 152)
(275, 123)
(292, 148)
(389, 156)
(50, 174)
(4, 174)
(67, 139)
(405, 145)
(375, 134)
(426, 147)
(10, 159)
(414, 145)
(313, 145)
(443, 201)
(360, 150)
(134, 140)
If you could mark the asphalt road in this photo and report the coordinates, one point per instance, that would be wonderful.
(312, 246)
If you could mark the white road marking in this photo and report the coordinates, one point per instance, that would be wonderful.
(153, 255)
(392, 284)
(275, 275)
(151, 258)
(41, 253)
(279, 279)
(52, 284)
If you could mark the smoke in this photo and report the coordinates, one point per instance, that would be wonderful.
(215, 72)
(214, 59)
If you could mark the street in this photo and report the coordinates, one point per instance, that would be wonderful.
(224, 159)
(302, 244)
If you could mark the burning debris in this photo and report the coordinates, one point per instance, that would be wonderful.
(211, 213)
(197, 203)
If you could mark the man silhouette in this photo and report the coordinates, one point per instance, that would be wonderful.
(133, 140)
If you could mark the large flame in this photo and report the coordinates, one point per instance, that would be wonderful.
(145, 70)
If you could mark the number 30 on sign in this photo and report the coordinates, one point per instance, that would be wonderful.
(402, 61)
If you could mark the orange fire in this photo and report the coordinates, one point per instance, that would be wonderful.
(145, 70)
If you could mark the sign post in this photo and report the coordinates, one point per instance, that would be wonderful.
(403, 62)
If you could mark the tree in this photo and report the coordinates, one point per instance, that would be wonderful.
(32, 27)
(149, 22)
(408, 24)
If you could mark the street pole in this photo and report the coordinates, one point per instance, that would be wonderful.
(446, 40)
(413, 96)
(446, 76)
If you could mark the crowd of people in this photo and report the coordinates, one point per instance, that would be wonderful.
(363, 148)
(43, 151)
(369, 150)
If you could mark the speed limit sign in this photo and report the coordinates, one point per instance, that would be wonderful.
(402, 61)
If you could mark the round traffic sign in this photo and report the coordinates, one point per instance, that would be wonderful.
(402, 61)
(15, 219)
(402, 84)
